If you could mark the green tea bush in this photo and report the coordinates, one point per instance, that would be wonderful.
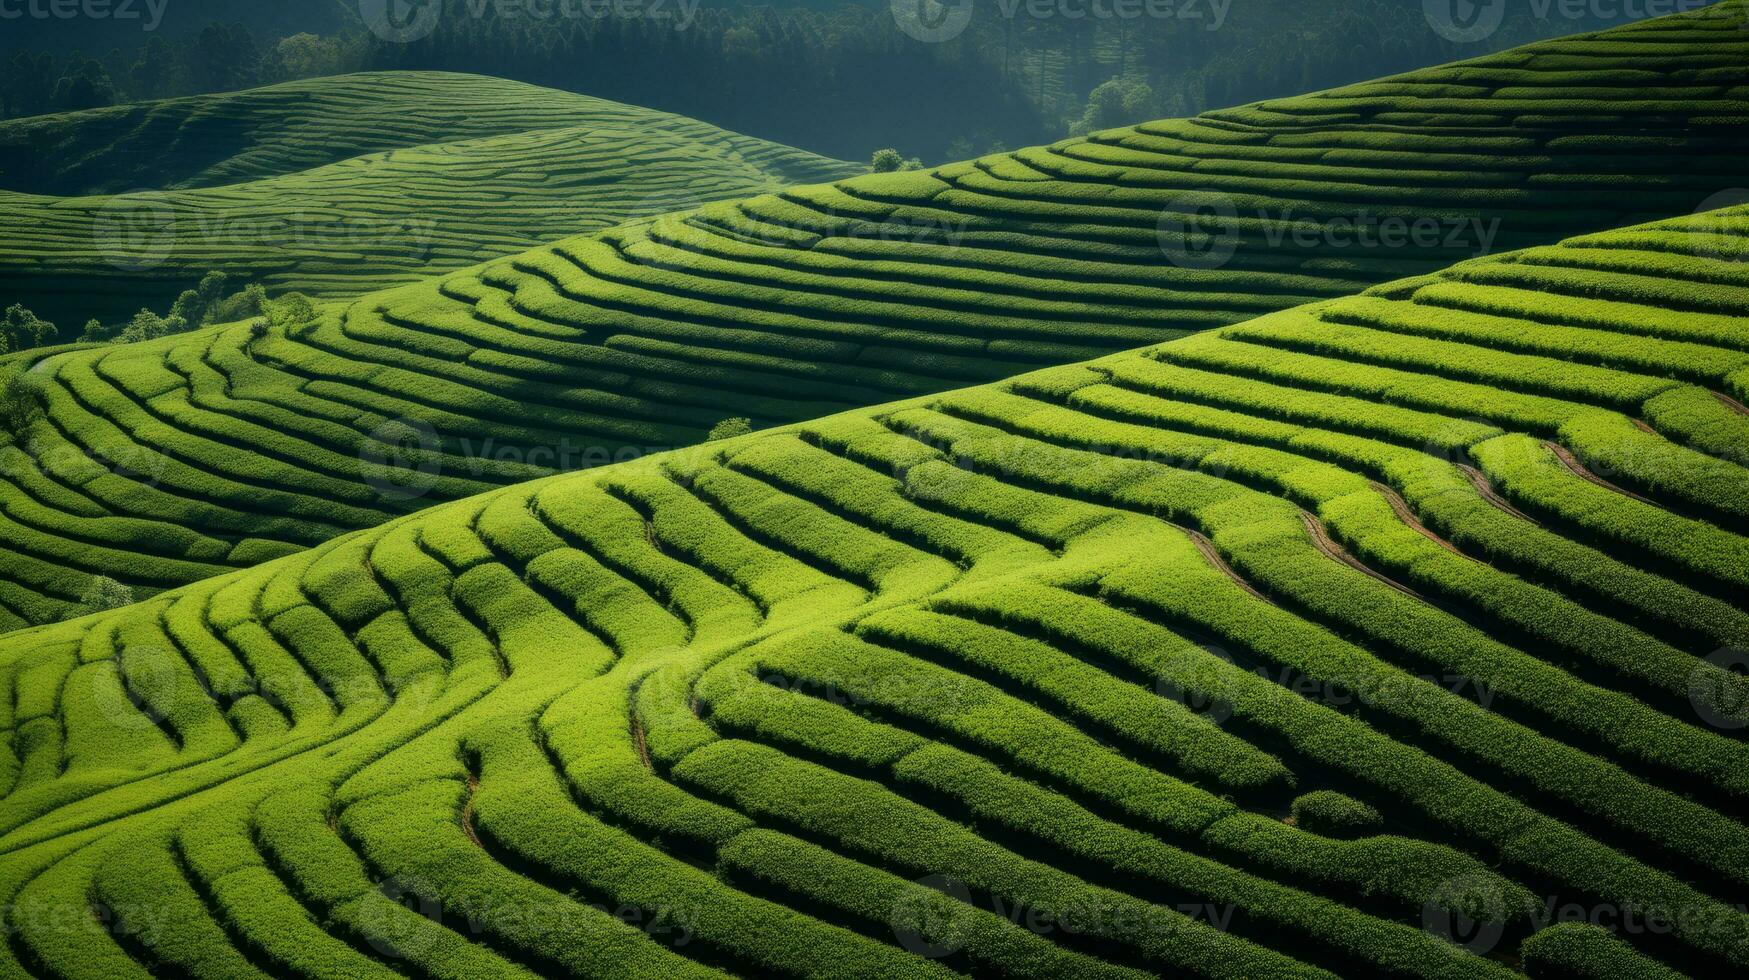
(1332, 814)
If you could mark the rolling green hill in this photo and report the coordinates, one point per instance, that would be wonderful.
(1267, 652)
(166, 462)
(338, 186)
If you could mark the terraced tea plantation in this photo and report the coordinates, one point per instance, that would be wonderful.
(339, 186)
(1368, 638)
(162, 463)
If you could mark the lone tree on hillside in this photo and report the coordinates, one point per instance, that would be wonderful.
(889, 161)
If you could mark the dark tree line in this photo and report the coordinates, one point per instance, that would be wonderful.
(838, 79)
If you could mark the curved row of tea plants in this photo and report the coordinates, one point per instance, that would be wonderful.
(340, 186)
(1393, 636)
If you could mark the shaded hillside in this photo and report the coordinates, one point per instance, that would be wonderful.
(340, 186)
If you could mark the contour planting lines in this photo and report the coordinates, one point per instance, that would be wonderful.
(340, 186)
(1271, 651)
(166, 462)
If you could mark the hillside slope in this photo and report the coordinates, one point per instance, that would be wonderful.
(162, 463)
(1273, 651)
(338, 186)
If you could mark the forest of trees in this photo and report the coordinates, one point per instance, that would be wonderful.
(840, 80)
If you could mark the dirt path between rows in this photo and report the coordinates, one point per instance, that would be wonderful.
(1578, 469)
(1326, 544)
(1207, 547)
(1485, 487)
(1407, 516)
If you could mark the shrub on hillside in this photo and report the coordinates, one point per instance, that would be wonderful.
(730, 428)
(1332, 814)
(286, 312)
(20, 404)
(104, 594)
(889, 161)
(147, 325)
